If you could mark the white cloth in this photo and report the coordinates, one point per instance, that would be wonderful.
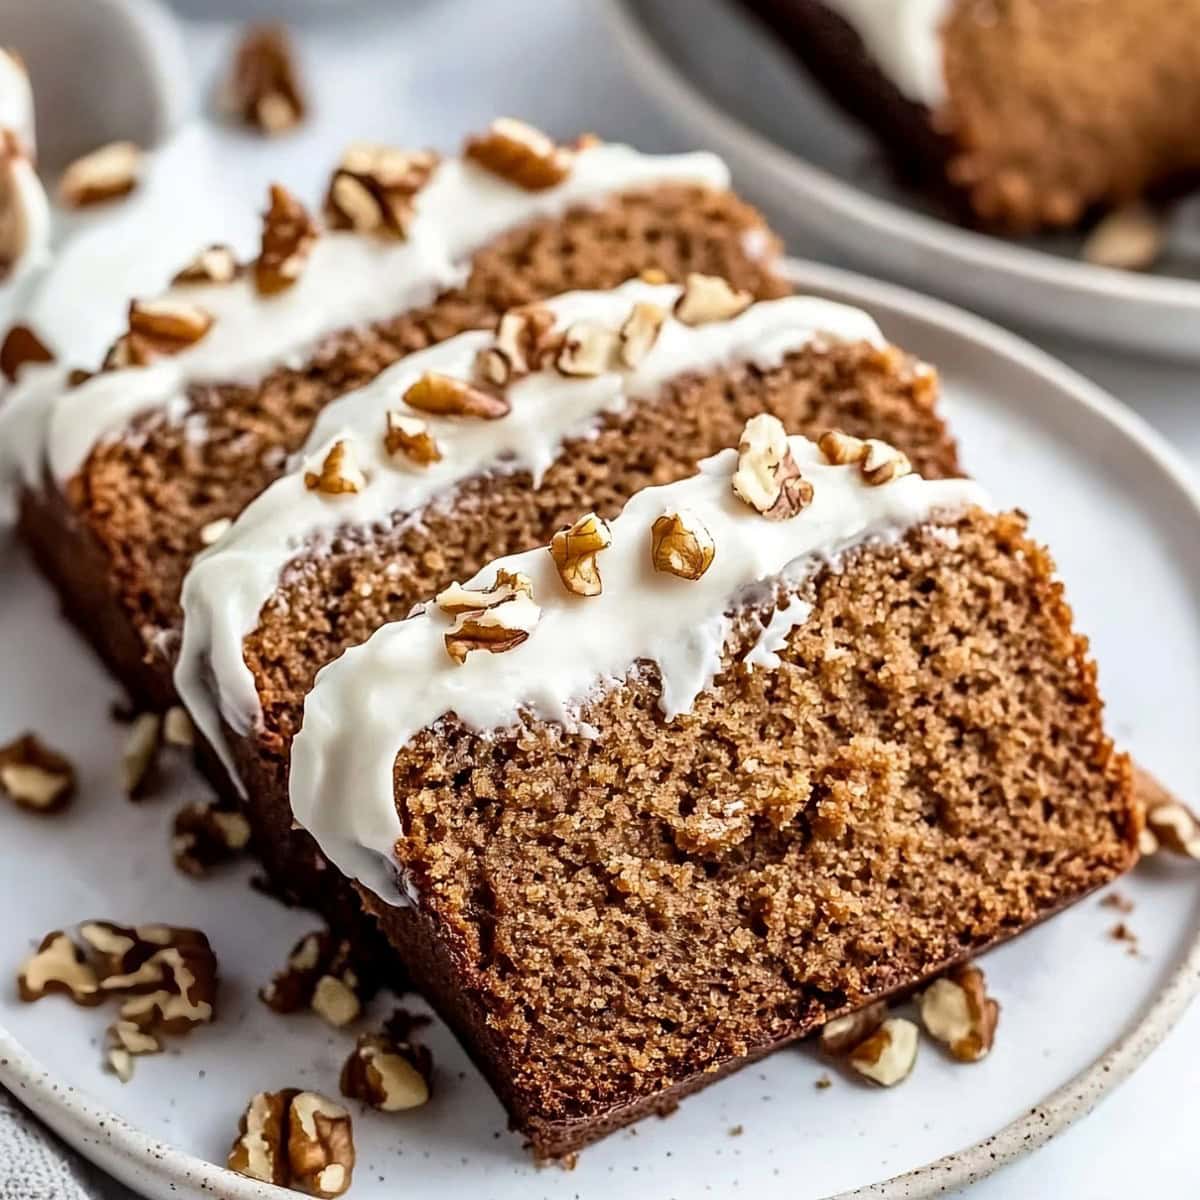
(35, 1165)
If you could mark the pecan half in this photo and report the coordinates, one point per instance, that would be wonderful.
(681, 545)
(104, 174)
(574, 550)
(263, 89)
(444, 395)
(958, 1012)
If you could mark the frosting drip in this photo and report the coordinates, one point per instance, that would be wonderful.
(349, 280)
(228, 584)
(904, 37)
(369, 703)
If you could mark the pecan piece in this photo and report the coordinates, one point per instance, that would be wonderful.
(339, 475)
(389, 1075)
(205, 836)
(288, 237)
(887, 1057)
(374, 188)
(320, 1145)
(640, 332)
(263, 89)
(707, 298)
(958, 1012)
(878, 462)
(525, 340)
(215, 264)
(520, 154)
(681, 545)
(22, 346)
(410, 436)
(58, 965)
(444, 395)
(35, 777)
(498, 625)
(574, 549)
(104, 174)
(767, 477)
(588, 349)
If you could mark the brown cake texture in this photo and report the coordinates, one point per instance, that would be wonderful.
(1053, 108)
(610, 922)
(120, 540)
(337, 596)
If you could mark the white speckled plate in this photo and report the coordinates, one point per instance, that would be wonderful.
(727, 83)
(1079, 1012)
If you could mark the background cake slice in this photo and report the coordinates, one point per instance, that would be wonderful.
(125, 475)
(823, 730)
(574, 404)
(1026, 113)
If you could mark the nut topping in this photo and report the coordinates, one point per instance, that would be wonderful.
(574, 549)
(889, 1054)
(842, 1034)
(410, 436)
(520, 154)
(35, 777)
(335, 1001)
(287, 241)
(680, 545)
(216, 264)
(444, 395)
(205, 836)
(957, 1011)
(387, 1074)
(339, 474)
(374, 188)
(1129, 239)
(214, 531)
(498, 624)
(457, 598)
(260, 1149)
(708, 298)
(263, 89)
(168, 325)
(320, 1145)
(140, 754)
(104, 174)
(21, 346)
(59, 966)
(320, 975)
(588, 349)
(640, 332)
(178, 729)
(878, 462)
(1170, 824)
(15, 212)
(524, 340)
(767, 477)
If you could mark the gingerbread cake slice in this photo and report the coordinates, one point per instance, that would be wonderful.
(784, 737)
(483, 446)
(1027, 113)
(125, 475)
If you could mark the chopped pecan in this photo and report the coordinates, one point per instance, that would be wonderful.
(842, 1034)
(496, 626)
(139, 756)
(525, 341)
(34, 776)
(707, 298)
(263, 89)
(335, 1001)
(588, 349)
(958, 1012)
(374, 188)
(887, 1057)
(260, 1149)
(287, 240)
(457, 598)
(1169, 823)
(387, 1074)
(878, 462)
(104, 174)
(216, 264)
(681, 545)
(320, 1145)
(205, 836)
(410, 436)
(767, 477)
(22, 346)
(177, 728)
(60, 966)
(640, 332)
(520, 154)
(339, 475)
(574, 549)
(444, 395)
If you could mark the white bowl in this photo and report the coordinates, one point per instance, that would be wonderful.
(729, 86)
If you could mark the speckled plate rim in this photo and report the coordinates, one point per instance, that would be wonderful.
(934, 254)
(157, 1167)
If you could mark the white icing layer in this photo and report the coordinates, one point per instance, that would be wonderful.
(904, 37)
(16, 99)
(349, 280)
(369, 703)
(23, 420)
(229, 583)
(25, 207)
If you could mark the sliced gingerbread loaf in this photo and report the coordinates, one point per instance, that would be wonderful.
(1027, 113)
(483, 446)
(126, 475)
(785, 737)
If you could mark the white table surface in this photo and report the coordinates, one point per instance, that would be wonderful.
(436, 70)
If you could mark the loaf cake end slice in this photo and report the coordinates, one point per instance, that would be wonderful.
(783, 738)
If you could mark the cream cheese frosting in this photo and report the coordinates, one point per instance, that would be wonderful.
(228, 584)
(368, 704)
(904, 38)
(26, 211)
(349, 280)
